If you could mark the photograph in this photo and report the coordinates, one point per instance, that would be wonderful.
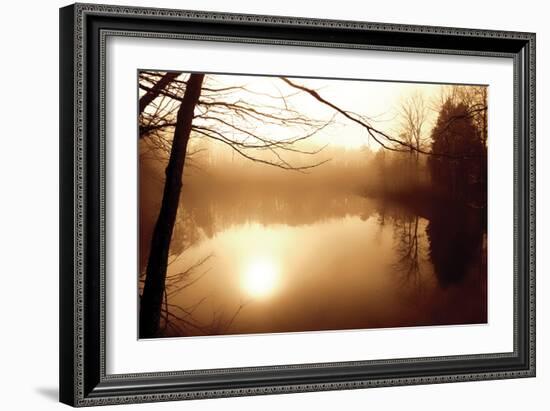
(261, 202)
(281, 204)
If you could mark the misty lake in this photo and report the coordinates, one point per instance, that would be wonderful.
(275, 204)
(307, 260)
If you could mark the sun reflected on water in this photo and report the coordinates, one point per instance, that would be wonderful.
(260, 276)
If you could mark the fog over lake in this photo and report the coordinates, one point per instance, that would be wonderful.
(330, 230)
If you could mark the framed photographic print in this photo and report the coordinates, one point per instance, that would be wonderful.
(260, 204)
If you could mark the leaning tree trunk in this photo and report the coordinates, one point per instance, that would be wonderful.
(153, 291)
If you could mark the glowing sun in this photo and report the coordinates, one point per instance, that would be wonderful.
(260, 276)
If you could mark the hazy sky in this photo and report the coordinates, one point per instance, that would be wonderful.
(376, 99)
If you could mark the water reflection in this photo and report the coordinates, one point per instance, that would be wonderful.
(260, 276)
(284, 263)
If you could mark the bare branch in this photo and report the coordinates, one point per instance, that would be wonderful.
(377, 135)
(154, 91)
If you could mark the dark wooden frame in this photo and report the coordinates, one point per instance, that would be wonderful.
(83, 29)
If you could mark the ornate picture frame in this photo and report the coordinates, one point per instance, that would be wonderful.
(84, 378)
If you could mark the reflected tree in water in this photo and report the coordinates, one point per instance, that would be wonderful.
(408, 247)
(456, 240)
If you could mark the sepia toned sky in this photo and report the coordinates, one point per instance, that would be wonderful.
(380, 101)
(255, 113)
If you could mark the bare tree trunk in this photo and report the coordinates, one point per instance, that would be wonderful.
(153, 291)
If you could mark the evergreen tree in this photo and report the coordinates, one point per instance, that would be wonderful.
(459, 170)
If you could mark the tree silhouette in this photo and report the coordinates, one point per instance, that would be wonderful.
(413, 114)
(171, 111)
(153, 290)
(455, 133)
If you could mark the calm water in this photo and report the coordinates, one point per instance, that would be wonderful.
(286, 262)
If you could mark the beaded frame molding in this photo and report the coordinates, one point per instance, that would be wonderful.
(83, 32)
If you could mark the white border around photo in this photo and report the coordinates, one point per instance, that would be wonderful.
(126, 354)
